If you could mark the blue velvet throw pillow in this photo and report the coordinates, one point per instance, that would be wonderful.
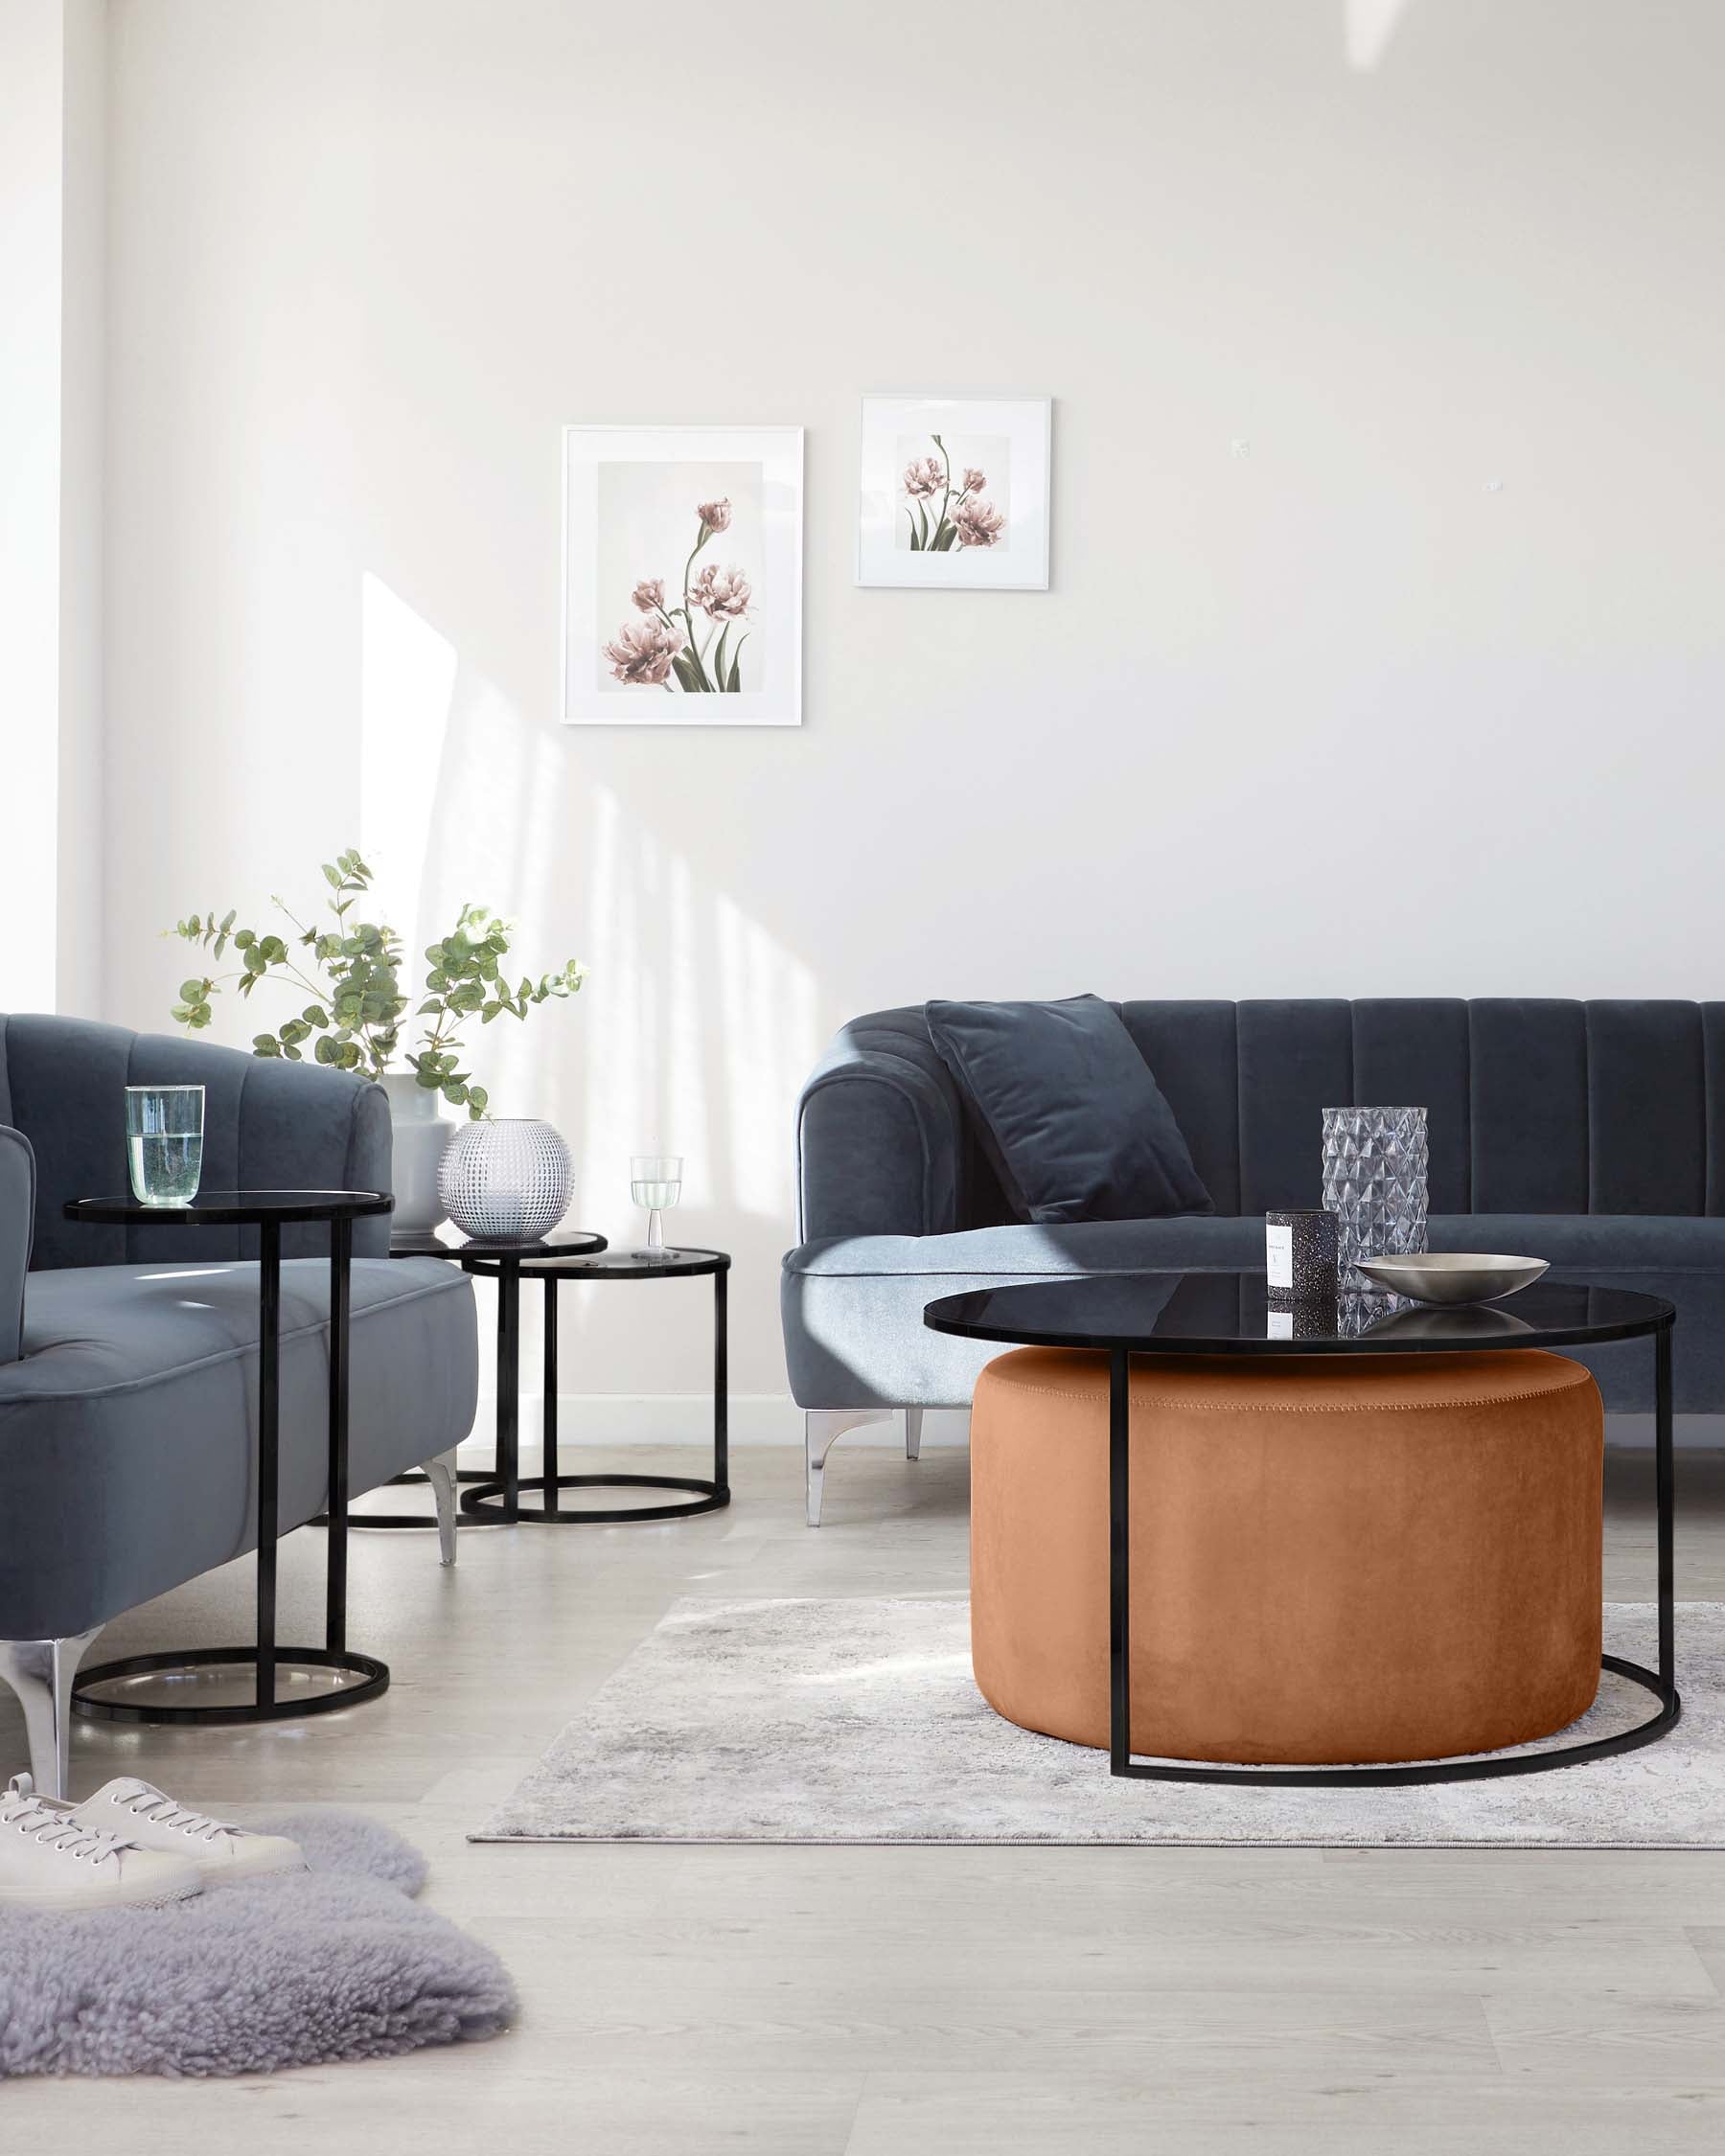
(1069, 1114)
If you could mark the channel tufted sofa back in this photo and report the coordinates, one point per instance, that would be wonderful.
(268, 1125)
(1534, 1106)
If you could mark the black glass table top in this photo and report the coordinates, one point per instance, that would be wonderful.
(229, 1209)
(1229, 1314)
(562, 1242)
(677, 1262)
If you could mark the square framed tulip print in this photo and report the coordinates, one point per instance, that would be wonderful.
(682, 576)
(954, 493)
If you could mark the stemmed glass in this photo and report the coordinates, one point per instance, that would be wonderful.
(655, 1181)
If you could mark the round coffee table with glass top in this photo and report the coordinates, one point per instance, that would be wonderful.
(320, 1678)
(1226, 1314)
(498, 1498)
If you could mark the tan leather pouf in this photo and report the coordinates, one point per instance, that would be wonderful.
(1374, 1558)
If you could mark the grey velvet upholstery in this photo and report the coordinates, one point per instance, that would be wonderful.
(128, 1426)
(1593, 1134)
(129, 1358)
(1068, 1111)
(18, 1227)
(268, 1125)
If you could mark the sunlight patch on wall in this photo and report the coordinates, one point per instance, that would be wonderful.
(709, 1025)
(771, 1023)
(406, 688)
(1368, 27)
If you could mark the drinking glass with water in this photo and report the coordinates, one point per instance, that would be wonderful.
(164, 1142)
(655, 1181)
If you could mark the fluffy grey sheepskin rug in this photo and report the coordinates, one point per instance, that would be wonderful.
(303, 1969)
(857, 1720)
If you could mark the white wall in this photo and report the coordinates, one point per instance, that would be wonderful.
(52, 96)
(1328, 717)
(79, 828)
(29, 349)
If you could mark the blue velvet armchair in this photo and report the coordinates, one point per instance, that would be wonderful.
(128, 1356)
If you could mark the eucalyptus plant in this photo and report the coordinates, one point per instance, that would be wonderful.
(352, 974)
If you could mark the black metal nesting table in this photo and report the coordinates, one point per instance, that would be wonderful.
(503, 1261)
(268, 1211)
(1228, 1314)
(497, 1498)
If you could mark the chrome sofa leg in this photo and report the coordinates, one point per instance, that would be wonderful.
(822, 1428)
(41, 1672)
(914, 1433)
(440, 1472)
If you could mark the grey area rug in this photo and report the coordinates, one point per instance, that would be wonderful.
(856, 1721)
(303, 1969)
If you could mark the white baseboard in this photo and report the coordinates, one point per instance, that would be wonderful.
(1689, 1433)
(608, 1419)
(772, 1419)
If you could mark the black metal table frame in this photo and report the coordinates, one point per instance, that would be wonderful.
(1662, 1683)
(267, 1656)
(1483, 1767)
(498, 1499)
(587, 1244)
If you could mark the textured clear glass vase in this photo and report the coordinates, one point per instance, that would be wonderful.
(508, 1181)
(1374, 1182)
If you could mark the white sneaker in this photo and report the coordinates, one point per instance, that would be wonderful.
(221, 1853)
(51, 1860)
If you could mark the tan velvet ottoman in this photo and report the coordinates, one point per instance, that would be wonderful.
(1374, 1559)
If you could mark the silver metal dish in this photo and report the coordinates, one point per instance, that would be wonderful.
(1447, 1276)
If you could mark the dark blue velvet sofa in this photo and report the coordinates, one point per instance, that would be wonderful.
(1590, 1134)
(128, 1356)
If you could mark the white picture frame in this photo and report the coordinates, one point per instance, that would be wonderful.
(920, 524)
(670, 619)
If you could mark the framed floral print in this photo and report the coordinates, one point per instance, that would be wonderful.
(954, 493)
(682, 576)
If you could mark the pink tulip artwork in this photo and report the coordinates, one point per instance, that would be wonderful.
(695, 640)
(959, 518)
(952, 494)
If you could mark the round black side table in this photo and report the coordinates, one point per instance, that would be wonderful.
(268, 1211)
(499, 1497)
(501, 1262)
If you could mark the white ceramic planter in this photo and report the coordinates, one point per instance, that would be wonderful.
(420, 1134)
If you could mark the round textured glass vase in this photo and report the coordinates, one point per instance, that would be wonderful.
(508, 1181)
(1374, 1182)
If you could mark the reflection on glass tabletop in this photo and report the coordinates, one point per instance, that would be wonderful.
(1229, 1313)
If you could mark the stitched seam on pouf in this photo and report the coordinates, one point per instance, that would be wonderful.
(1276, 1407)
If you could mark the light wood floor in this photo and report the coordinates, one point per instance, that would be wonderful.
(917, 2002)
